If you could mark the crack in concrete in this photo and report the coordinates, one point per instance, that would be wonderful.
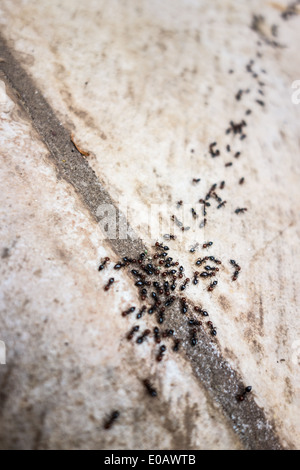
(214, 373)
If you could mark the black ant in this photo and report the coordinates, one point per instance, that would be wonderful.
(237, 271)
(222, 184)
(149, 387)
(228, 164)
(119, 265)
(199, 310)
(196, 180)
(160, 355)
(212, 328)
(113, 417)
(237, 154)
(194, 213)
(168, 333)
(241, 181)
(103, 264)
(222, 204)
(193, 322)
(179, 203)
(241, 397)
(141, 338)
(109, 284)
(194, 339)
(183, 286)
(132, 331)
(184, 305)
(156, 335)
(176, 345)
(195, 280)
(240, 210)
(212, 286)
(170, 301)
(141, 312)
(213, 153)
(127, 312)
(207, 244)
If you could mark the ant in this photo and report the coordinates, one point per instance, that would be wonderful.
(141, 338)
(132, 331)
(222, 184)
(183, 286)
(160, 355)
(113, 417)
(149, 387)
(207, 244)
(199, 310)
(240, 210)
(212, 328)
(109, 284)
(194, 213)
(212, 286)
(102, 266)
(194, 322)
(194, 339)
(168, 333)
(179, 203)
(141, 312)
(237, 271)
(127, 312)
(176, 345)
(241, 181)
(213, 153)
(156, 335)
(222, 204)
(169, 236)
(241, 397)
(119, 265)
(228, 164)
(184, 305)
(196, 180)
(195, 281)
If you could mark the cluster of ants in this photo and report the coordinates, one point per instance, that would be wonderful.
(159, 277)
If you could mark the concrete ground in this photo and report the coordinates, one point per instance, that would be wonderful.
(117, 104)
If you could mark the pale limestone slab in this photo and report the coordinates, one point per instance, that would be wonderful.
(142, 84)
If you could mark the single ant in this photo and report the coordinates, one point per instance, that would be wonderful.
(110, 283)
(132, 331)
(240, 210)
(141, 338)
(149, 387)
(113, 417)
(103, 264)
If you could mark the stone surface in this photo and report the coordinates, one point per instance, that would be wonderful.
(145, 87)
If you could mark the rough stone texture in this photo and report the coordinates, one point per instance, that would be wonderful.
(145, 88)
